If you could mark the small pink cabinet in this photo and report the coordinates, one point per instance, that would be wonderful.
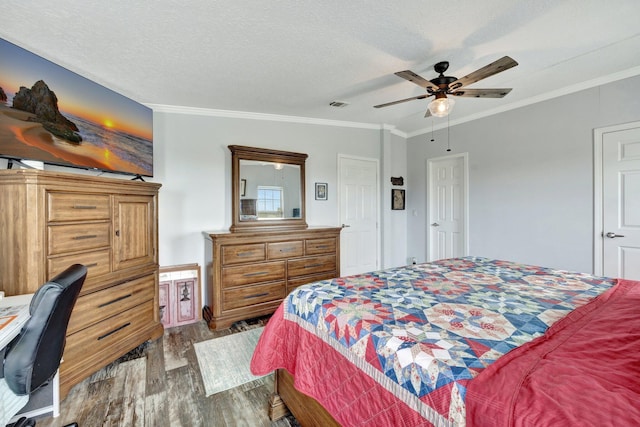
(179, 295)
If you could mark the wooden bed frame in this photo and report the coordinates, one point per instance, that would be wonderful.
(307, 410)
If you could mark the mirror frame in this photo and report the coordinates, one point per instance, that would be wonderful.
(239, 152)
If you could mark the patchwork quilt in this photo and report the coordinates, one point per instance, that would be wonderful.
(416, 335)
(583, 371)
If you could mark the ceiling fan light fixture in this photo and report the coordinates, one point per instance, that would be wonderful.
(443, 85)
(441, 106)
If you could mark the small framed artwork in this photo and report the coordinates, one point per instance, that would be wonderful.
(397, 180)
(243, 187)
(397, 199)
(321, 191)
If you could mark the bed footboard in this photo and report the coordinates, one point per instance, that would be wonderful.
(307, 410)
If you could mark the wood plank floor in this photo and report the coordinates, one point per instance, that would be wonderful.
(160, 385)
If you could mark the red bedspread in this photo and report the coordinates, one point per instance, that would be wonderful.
(324, 374)
(585, 371)
(462, 341)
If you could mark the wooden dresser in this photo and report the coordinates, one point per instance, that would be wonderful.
(51, 220)
(250, 272)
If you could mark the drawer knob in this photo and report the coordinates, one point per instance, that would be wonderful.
(84, 207)
(264, 294)
(119, 328)
(313, 265)
(87, 236)
(115, 300)
(258, 273)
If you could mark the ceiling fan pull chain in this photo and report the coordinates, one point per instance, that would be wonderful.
(448, 133)
(432, 138)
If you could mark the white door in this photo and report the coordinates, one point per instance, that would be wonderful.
(358, 215)
(619, 235)
(447, 207)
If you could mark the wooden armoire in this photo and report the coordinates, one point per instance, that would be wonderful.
(50, 220)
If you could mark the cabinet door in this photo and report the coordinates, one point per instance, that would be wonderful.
(186, 301)
(135, 231)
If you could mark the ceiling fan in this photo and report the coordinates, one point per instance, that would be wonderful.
(443, 85)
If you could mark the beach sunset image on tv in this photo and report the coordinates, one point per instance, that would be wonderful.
(53, 115)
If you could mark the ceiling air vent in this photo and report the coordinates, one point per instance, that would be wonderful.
(338, 104)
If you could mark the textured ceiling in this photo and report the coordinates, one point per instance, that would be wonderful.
(293, 58)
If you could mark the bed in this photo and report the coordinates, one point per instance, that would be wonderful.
(465, 341)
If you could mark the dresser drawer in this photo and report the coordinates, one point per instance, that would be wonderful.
(108, 302)
(299, 281)
(102, 341)
(254, 273)
(234, 254)
(320, 246)
(285, 249)
(311, 265)
(77, 206)
(78, 237)
(251, 295)
(97, 263)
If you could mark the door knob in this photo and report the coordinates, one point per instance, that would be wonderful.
(435, 224)
(345, 225)
(612, 235)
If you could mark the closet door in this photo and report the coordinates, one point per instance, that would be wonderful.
(620, 227)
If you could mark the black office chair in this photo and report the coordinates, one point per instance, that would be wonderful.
(33, 357)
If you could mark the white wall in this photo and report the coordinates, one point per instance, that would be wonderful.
(530, 176)
(192, 161)
(394, 164)
(193, 164)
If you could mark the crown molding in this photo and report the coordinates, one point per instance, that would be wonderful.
(392, 129)
(176, 109)
(620, 75)
(196, 111)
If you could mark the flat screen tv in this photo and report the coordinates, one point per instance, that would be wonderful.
(52, 115)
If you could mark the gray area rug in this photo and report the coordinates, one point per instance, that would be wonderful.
(224, 362)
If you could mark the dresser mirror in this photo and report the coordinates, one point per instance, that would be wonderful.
(268, 188)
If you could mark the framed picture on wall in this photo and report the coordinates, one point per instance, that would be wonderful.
(321, 191)
(243, 187)
(397, 199)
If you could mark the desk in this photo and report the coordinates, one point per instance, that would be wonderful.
(10, 330)
(47, 399)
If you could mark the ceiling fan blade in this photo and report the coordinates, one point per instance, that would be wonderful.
(426, 95)
(414, 78)
(481, 93)
(501, 64)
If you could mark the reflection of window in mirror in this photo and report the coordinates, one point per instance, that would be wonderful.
(270, 202)
(286, 178)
